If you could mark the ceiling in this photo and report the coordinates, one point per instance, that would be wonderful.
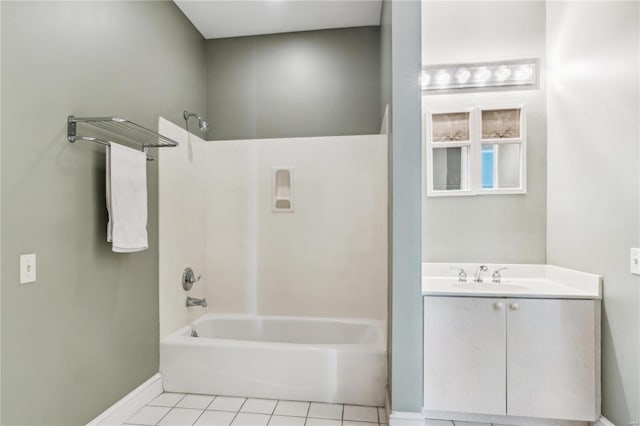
(236, 18)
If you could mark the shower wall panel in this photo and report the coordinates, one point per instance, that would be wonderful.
(326, 258)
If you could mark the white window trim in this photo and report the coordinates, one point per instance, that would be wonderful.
(466, 172)
(473, 173)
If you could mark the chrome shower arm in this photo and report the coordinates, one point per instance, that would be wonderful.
(202, 124)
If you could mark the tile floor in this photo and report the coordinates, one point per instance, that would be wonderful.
(430, 422)
(177, 409)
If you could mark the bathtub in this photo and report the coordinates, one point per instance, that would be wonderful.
(294, 358)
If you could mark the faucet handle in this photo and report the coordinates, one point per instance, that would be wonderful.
(462, 275)
(496, 275)
(189, 278)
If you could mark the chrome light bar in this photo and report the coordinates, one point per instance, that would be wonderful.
(522, 72)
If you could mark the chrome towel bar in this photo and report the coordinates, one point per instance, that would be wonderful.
(121, 128)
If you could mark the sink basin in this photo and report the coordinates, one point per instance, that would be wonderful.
(509, 287)
(503, 286)
(518, 281)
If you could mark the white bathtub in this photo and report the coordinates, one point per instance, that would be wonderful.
(295, 358)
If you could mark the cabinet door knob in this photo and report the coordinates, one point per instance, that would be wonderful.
(498, 306)
(515, 306)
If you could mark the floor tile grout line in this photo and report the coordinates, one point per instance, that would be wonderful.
(306, 417)
(205, 409)
(170, 406)
(275, 408)
(179, 401)
(198, 394)
(214, 398)
(165, 415)
(145, 406)
(238, 412)
(272, 411)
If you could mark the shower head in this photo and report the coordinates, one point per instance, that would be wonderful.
(202, 124)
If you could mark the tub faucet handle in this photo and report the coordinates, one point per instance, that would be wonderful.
(189, 278)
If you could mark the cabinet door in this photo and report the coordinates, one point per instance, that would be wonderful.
(552, 361)
(464, 351)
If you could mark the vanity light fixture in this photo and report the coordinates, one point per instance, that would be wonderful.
(522, 73)
(442, 78)
(462, 75)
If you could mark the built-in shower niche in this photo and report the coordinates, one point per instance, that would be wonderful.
(282, 189)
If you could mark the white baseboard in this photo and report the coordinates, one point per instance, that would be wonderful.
(387, 404)
(119, 412)
(399, 418)
(602, 422)
(418, 419)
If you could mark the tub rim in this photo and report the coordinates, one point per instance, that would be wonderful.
(182, 336)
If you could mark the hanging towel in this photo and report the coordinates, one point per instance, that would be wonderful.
(126, 181)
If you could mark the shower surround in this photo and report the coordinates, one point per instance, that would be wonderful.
(327, 258)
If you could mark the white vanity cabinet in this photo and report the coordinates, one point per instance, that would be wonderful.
(553, 358)
(465, 357)
(512, 357)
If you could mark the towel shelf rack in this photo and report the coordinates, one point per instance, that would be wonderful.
(119, 127)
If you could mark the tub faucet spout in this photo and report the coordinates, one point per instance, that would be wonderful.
(192, 301)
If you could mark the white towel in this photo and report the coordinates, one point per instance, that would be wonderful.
(126, 199)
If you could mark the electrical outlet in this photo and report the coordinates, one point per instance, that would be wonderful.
(27, 268)
(635, 261)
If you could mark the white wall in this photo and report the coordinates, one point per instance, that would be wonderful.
(181, 211)
(594, 174)
(328, 257)
(495, 228)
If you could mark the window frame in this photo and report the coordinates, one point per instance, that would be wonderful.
(465, 175)
(473, 172)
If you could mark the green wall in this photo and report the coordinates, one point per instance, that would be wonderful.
(313, 83)
(405, 198)
(385, 100)
(86, 332)
(489, 228)
(593, 200)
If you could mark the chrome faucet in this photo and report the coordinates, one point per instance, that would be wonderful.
(462, 275)
(478, 275)
(496, 277)
(192, 301)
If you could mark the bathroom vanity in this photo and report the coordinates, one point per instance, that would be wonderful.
(503, 352)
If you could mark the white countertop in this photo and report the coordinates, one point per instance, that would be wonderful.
(525, 281)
